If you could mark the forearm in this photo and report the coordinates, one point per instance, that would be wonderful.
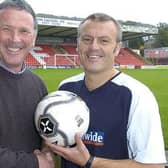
(127, 163)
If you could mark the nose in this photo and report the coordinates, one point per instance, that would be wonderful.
(94, 44)
(15, 36)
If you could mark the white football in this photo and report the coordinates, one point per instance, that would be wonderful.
(60, 115)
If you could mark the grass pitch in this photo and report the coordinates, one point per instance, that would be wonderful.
(156, 80)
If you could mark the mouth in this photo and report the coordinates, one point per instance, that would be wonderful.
(13, 50)
(14, 47)
(94, 57)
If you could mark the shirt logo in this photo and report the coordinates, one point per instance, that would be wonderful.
(94, 137)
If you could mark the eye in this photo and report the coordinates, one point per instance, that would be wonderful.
(87, 40)
(24, 31)
(5, 28)
(104, 41)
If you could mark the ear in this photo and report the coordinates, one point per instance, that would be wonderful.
(117, 48)
(77, 47)
(33, 44)
(34, 39)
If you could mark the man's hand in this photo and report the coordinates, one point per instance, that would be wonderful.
(45, 159)
(78, 154)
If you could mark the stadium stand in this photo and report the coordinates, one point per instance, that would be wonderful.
(158, 56)
(58, 35)
(46, 55)
(61, 34)
(127, 58)
(70, 49)
(31, 61)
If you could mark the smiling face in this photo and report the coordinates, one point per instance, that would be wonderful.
(17, 37)
(97, 45)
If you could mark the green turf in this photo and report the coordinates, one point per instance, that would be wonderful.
(157, 80)
(52, 77)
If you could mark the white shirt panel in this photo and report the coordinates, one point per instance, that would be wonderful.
(144, 134)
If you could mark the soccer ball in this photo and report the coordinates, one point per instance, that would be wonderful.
(60, 115)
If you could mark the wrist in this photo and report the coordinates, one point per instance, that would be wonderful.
(89, 162)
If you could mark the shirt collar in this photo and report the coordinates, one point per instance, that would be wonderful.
(6, 68)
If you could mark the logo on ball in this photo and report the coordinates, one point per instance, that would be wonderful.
(47, 125)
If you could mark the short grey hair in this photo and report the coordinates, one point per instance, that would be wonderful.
(20, 5)
(102, 17)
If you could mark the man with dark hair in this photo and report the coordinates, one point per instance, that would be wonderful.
(20, 89)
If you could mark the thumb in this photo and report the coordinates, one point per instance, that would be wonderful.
(78, 139)
(37, 151)
(49, 156)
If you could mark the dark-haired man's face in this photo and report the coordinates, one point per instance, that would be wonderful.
(17, 36)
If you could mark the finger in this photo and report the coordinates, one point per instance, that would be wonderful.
(78, 139)
(37, 151)
(45, 148)
(49, 156)
(57, 148)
